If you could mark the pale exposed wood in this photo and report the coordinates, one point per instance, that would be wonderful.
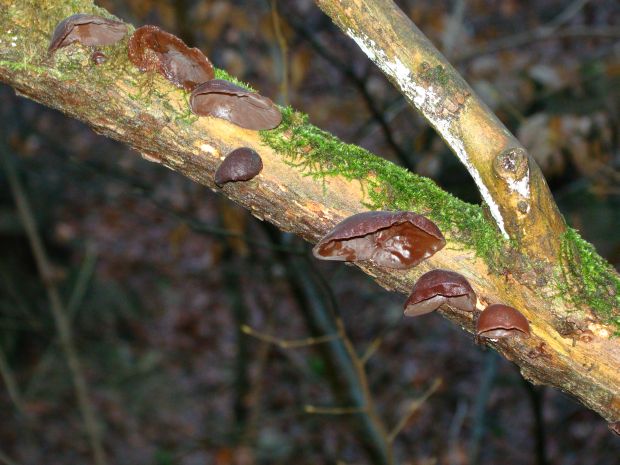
(142, 112)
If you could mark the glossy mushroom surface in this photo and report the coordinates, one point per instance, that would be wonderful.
(498, 321)
(225, 100)
(239, 165)
(98, 57)
(152, 49)
(438, 287)
(398, 240)
(89, 30)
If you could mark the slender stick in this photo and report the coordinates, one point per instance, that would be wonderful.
(288, 343)
(63, 325)
(11, 384)
(6, 460)
(277, 29)
(413, 407)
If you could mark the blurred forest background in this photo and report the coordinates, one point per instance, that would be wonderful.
(183, 306)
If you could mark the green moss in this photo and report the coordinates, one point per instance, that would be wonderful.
(591, 280)
(388, 187)
(221, 74)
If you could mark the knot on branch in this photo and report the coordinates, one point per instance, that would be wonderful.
(511, 164)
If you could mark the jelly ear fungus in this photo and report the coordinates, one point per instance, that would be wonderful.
(241, 164)
(152, 49)
(88, 30)
(499, 321)
(222, 99)
(398, 240)
(438, 287)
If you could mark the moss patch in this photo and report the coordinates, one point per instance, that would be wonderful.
(221, 74)
(388, 187)
(591, 280)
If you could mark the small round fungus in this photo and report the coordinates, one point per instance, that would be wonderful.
(88, 30)
(439, 287)
(397, 240)
(225, 100)
(98, 57)
(152, 49)
(498, 321)
(239, 165)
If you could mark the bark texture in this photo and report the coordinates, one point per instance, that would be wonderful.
(150, 115)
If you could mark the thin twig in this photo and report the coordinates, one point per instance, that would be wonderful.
(413, 407)
(6, 460)
(334, 410)
(11, 383)
(61, 320)
(370, 408)
(256, 391)
(484, 391)
(453, 28)
(85, 274)
(288, 343)
(371, 349)
(277, 29)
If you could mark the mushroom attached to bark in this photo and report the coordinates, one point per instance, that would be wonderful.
(498, 321)
(89, 30)
(239, 165)
(439, 287)
(225, 100)
(152, 49)
(397, 240)
(98, 57)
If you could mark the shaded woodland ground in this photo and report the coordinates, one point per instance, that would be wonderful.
(151, 266)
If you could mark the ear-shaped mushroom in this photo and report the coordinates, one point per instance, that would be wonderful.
(239, 165)
(152, 49)
(439, 287)
(225, 100)
(88, 30)
(397, 240)
(498, 320)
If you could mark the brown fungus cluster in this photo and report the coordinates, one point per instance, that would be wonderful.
(439, 287)
(90, 30)
(225, 100)
(398, 240)
(152, 49)
(241, 164)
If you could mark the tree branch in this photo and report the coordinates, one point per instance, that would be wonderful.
(509, 181)
(310, 181)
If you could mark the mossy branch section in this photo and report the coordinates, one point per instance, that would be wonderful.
(389, 187)
(589, 279)
(146, 112)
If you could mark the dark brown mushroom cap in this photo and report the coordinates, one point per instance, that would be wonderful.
(397, 240)
(98, 57)
(88, 30)
(498, 320)
(438, 287)
(239, 165)
(152, 49)
(225, 100)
